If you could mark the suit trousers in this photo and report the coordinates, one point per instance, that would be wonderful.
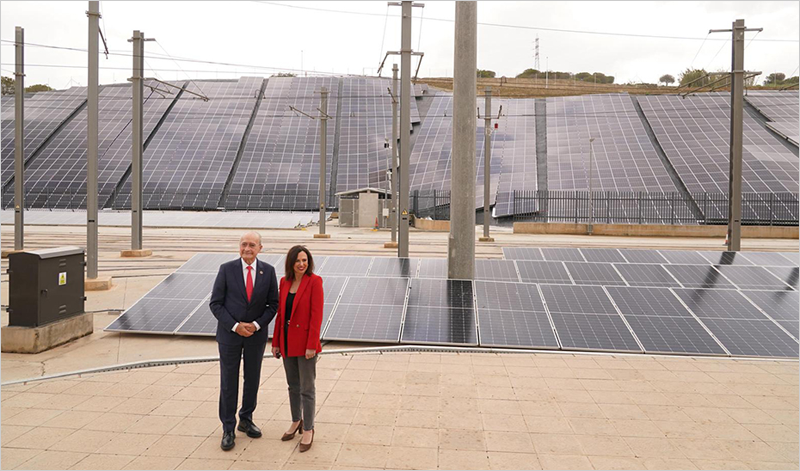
(229, 359)
(301, 375)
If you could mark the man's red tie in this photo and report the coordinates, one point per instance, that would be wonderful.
(249, 286)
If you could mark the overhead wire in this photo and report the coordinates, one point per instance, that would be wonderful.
(535, 28)
(698, 51)
(383, 38)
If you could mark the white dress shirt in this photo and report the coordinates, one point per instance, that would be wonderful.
(253, 275)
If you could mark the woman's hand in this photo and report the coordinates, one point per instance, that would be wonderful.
(276, 352)
(310, 354)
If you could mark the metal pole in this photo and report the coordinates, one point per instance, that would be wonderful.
(91, 143)
(487, 157)
(735, 184)
(591, 200)
(19, 141)
(405, 127)
(323, 139)
(136, 168)
(461, 244)
(394, 154)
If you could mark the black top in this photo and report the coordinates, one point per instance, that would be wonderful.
(287, 316)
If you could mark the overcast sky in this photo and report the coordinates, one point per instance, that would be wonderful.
(262, 38)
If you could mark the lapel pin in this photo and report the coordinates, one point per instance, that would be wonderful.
(260, 272)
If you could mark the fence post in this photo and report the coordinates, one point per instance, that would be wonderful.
(771, 206)
(639, 197)
(576, 207)
(608, 207)
(672, 208)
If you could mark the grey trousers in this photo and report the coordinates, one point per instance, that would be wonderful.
(300, 376)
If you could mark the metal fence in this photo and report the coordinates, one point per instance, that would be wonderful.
(767, 209)
(434, 204)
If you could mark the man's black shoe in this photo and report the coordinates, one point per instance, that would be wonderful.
(249, 428)
(228, 440)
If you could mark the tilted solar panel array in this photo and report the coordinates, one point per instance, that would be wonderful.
(280, 162)
(366, 124)
(57, 177)
(187, 163)
(780, 107)
(514, 150)
(695, 131)
(43, 114)
(645, 301)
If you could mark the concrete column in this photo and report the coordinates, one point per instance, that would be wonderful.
(91, 142)
(461, 244)
(19, 141)
(735, 183)
(405, 128)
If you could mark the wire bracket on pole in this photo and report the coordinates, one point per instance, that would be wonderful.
(203, 97)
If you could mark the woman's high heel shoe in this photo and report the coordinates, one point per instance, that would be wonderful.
(288, 436)
(303, 447)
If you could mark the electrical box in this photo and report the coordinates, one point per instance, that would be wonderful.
(45, 286)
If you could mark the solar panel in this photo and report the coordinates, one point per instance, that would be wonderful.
(562, 255)
(673, 335)
(594, 273)
(642, 256)
(594, 332)
(522, 253)
(789, 275)
(646, 275)
(624, 160)
(793, 327)
(634, 301)
(345, 266)
(543, 272)
(694, 132)
(43, 113)
(683, 257)
(726, 258)
(779, 305)
(753, 337)
(433, 268)
(793, 256)
(188, 162)
(403, 267)
(602, 255)
(370, 309)
(440, 311)
(155, 315)
(202, 322)
(366, 123)
(514, 148)
(513, 315)
(697, 276)
(577, 299)
(184, 286)
(768, 259)
(786, 129)
(495, 270)
(752, 278)
(775, 105)
(719, 304)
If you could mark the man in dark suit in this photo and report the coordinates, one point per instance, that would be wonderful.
(244, 300)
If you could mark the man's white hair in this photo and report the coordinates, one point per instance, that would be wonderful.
(254, 233)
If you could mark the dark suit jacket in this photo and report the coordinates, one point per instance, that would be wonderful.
(229, 301)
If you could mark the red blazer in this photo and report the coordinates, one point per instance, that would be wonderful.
(306, 321)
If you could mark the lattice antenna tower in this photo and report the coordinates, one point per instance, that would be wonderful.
(536, 53)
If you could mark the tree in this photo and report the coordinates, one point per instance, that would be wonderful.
(775, 78)
(486, 73)
(7, 86)
(38, 88)
(692, 77)
(284, 74)
(9, 89)
(529, 73)
(667, 79)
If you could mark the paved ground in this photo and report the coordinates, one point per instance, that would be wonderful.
(399, 410)
(424, 411)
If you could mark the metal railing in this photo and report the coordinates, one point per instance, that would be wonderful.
(767, 209)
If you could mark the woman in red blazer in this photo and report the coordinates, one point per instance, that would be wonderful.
(296, 339)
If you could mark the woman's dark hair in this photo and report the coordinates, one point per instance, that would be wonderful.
(291, 258)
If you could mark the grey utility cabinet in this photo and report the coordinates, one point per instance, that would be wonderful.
(45, 286)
